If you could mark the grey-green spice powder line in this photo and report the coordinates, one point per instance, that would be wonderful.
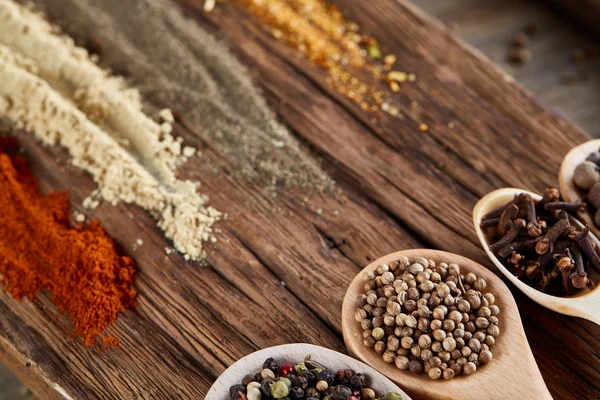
(174, 61)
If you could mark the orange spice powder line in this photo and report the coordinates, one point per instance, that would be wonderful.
(319, 32)
(80, 267)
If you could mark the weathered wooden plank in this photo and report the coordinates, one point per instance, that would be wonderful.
(586, 11)
(551, 75)
(192, 321)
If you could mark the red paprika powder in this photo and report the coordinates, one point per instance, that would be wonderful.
(80, 267)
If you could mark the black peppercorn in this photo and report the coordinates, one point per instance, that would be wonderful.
(248, 378)
(272, 364)
(326, 376)
(343, 376)
(339, 392)
(312, 392)
(235, 391)
(298, 381)
(310, 377)
(296, 394)
(358, 381)
(265, 388)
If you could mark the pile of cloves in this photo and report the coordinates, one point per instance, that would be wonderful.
(537, 241)
(587, 178)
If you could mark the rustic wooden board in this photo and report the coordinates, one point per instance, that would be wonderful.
(551, 75)
(586, 11)
(398, 188)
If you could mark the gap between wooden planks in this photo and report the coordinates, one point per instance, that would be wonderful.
(193, 321)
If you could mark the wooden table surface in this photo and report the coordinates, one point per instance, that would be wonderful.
(281, 265)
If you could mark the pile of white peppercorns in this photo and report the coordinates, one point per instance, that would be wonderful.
(428, 317)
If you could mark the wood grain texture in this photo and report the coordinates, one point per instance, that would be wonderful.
(398, 188)
(586, 11)
(569, 88)
(513, 367)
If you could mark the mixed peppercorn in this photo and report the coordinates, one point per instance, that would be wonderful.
(428, 317)
(538, 243)
(306, 380)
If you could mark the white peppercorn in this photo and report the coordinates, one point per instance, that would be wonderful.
(406, 331)
(426, 354)
(494, 309)
(463, 306)
(388, 357)
(389, 320)
(425, 341)
(448, 373)
(455, 316)
(415, 350)
(381, 268)
(377, 322)
(449, 344)
(406, 342)
(454, 269)
(490, 340)
(393, 308)
(444, 356)
(435, 325)
(475, 345)
(402, 362)
(448, 325)
(360, 314)
(485, 356)
(435, 373)
(480, 284)
(369, 342)
(410, 321)
(493, 330)
(410, 305)
(415, 366)
(434, 362)
(469, 368)
(439, 335)
(482, 322)
(416, 268)
(474, 357)
(403, 352)
(393, 343)
(423, 324)
(380, 347)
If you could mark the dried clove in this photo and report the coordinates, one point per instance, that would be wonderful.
(546, 243)
(582, 238)
(509, 214)
(516, 247)
(533, 227)
(572, 208)
(513, 231)
(579, 277)
(537, 243)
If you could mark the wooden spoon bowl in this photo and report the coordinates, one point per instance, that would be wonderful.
(567, 188)
(512, 373)
(296, 353)
(585, 303)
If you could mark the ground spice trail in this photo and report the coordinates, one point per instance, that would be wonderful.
(80, 267)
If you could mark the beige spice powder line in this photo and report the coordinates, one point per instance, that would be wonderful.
(45, 78)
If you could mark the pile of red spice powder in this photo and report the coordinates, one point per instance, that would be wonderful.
(79, 267)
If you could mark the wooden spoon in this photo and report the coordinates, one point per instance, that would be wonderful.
(296, 353)
(567, 188)
(584, 304)
(512, 373)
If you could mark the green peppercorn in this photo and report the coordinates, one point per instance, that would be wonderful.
(394, 396)
(279, 390)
